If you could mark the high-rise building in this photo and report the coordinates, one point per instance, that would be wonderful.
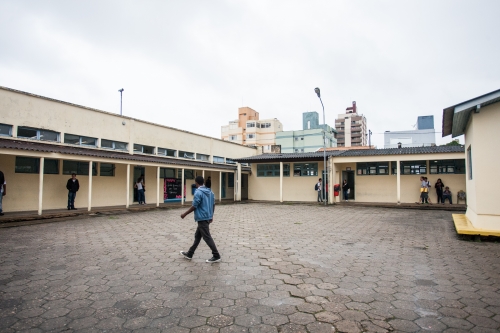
(249, 130)
(351, 128)
(423, 136)
(309, 139)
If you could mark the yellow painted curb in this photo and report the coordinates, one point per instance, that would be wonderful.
(464, 227)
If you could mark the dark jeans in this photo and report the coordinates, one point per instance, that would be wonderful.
(440, 196)
(346, 195)
(424, 196)
(140, 196)
(203, 230)
(447, 196)
(71, 199)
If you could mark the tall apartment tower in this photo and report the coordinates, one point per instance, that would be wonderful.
(250, 131)
(351, 128)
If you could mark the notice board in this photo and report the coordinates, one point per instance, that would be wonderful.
(172, 189)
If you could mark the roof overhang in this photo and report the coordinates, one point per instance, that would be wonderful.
(456, 117)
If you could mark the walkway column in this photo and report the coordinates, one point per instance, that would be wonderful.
(335, 173)
(40, 185)
(158, 187)
(281, 181)
(203, 173)
(220, 186)
(238, 182)
(127, 191)
(331, 196)
(182, 187)
(398, 181)
(90, 186)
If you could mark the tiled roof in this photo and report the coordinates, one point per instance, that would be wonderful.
(100, 153)
(318, 156)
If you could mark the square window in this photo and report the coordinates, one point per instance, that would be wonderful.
(107, 169)
(5, 130)
(27, 165)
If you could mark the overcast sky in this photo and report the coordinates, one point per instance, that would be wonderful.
(192, 64)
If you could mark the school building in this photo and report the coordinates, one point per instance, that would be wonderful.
(43, 141)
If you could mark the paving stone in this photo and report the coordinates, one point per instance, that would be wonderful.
(386, 270)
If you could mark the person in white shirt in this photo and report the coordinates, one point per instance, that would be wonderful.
(319, 189)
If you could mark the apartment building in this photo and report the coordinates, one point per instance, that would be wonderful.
(249, 130)
(310, 138)
(351, 128)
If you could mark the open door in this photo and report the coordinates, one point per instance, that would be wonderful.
(349, 175)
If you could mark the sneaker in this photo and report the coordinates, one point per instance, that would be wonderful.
(186, 255)
(213, 259)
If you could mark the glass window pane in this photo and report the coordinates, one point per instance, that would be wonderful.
(120, 145)
(89, 141)
(161, 151)
(104, 143)
(71, 139)
(137, 148)
(148, 150)
(49, 136)
(70, 167)
(107, 169)
(27, 165)
(51, 167)
(25, 132)
(5, 130)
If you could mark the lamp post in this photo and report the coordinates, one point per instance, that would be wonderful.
(121, 92)
(317, 91)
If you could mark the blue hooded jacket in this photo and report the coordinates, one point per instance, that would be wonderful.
(203, 202)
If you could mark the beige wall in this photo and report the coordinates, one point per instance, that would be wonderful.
(376, 188)
(19, 109)
(481, 134)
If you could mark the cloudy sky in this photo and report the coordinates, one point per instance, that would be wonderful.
(191, 64)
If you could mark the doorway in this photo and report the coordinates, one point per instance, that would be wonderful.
(138, 171)
(244, 186)
(223, 186)
(349, 175)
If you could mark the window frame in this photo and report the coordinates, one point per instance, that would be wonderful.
(412, 167)
(7, 126)
(80, 168)
(305, 169)
(168, 152)
(443, 166)
(80, 139)
(217, 157)
(141, 151)
(199, 157)
(38, 134)
(113, 167)
(182, 154)
(272, 170)
(372, 168)
(113, 145)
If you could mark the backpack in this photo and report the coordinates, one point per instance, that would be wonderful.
(316, 186)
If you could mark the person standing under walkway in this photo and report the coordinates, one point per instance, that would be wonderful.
(139, 185)
(345, 190)
(3, 190)
(319, 189)
(439, 186)
(203, 207)
(73, 186)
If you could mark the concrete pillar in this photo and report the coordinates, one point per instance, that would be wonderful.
(398, 181)
(331, 174)
(127, 191)
(182, 187)
(281, 181)
(220, 186)
(336, 180)
(238, 182)
(40, 185)
(90, 186)
(157, 186)
(203, 173)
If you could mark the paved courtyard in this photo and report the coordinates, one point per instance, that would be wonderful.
(285, 268)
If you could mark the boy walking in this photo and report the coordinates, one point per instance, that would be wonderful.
(203, 207)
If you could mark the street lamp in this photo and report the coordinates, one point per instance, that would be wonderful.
(121, 92)
(316, 90)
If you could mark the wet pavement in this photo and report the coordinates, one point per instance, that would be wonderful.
(285, 268)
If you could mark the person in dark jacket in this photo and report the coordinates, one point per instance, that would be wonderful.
(73, 186)
(3, 190)
(345, 190)
(439, 186)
